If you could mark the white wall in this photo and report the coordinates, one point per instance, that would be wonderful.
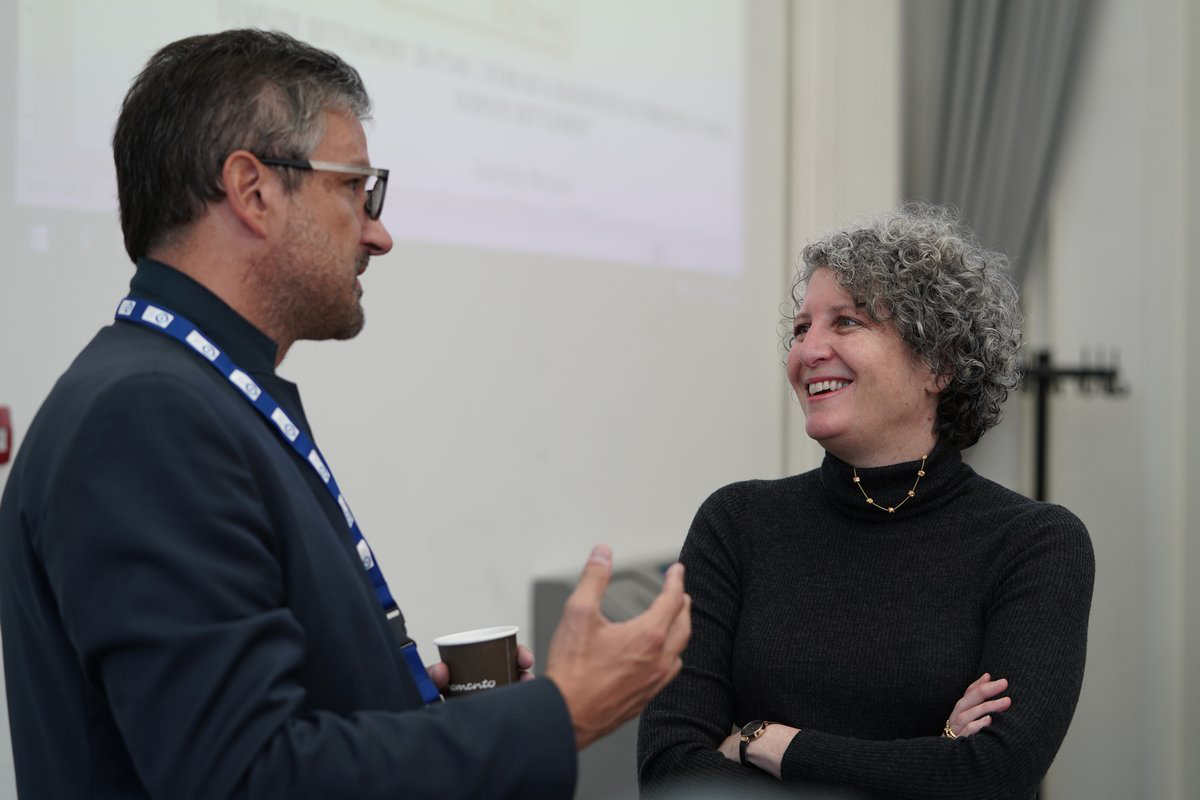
(1190, 563)
(1117, 272)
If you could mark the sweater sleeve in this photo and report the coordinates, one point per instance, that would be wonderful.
(1036, 637)
(680, 730)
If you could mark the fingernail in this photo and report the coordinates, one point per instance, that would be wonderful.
(601, 553)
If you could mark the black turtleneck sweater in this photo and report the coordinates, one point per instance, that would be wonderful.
(863, 628)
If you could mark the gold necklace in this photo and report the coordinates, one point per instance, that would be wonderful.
(911, 492)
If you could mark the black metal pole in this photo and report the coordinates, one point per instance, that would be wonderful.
(1044, 380)
(1041, 423)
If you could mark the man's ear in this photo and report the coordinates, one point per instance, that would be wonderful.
(251, 190)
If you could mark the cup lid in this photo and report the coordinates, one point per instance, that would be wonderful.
(475, 636)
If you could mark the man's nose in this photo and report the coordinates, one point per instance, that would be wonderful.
(376, 238)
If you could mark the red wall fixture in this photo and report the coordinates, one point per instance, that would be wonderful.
(6, 436)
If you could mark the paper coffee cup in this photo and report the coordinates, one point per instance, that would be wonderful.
(479, 660)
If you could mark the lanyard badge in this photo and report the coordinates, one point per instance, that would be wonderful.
(168, 322)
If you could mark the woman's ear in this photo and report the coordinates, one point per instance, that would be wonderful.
(934, 382)
(938, 382)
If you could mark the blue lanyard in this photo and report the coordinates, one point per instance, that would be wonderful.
(168, 322)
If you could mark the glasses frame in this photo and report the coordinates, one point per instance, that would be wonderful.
(375, 195)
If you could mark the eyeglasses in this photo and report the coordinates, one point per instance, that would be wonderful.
(375, 189)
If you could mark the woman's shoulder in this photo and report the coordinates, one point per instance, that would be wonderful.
(753, 508)
(744, 517)
(990, 494)
(761, 493)
(1024, 522)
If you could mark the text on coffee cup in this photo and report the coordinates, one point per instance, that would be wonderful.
(474, 686)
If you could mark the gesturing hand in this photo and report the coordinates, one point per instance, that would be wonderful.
(608, 671)
(973, 711)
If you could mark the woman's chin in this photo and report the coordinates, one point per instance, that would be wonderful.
(821, 430)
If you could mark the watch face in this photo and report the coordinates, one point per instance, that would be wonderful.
(751, 728)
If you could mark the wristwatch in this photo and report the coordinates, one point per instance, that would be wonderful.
(750, 732)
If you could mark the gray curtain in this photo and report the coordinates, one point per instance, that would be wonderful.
(986, 85)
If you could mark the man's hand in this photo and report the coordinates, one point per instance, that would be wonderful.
(608, 671)
(439, 673)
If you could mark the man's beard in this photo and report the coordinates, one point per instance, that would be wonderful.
(308, 295)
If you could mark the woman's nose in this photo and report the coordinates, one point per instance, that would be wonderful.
(813, 348)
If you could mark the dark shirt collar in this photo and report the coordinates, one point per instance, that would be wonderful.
(250, 348)
(945, 474)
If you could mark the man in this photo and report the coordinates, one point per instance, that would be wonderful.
(189, 608)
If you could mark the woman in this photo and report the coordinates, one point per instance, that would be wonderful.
(850, 607)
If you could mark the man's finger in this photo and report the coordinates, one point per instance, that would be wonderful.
(596, 574)
(524, 657)
(673, 670)
(681, 629)
(439, 673)
(666, 606)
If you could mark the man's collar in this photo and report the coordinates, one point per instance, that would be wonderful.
(249, 347)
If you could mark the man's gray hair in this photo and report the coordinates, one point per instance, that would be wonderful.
(200, 99)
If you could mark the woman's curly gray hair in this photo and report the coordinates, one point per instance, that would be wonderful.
(952, 302)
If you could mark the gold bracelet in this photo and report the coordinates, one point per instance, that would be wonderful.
(948, 732)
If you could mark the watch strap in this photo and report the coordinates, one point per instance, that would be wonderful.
(750, 731)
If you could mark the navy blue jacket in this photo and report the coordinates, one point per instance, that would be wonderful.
(184, 614)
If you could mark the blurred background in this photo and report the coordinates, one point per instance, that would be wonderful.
(597, 207)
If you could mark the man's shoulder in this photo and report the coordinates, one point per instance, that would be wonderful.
(123, 350)
(128, 396)
(123, 359)
(125, 377)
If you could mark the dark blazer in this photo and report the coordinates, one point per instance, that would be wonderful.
(184, 614)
